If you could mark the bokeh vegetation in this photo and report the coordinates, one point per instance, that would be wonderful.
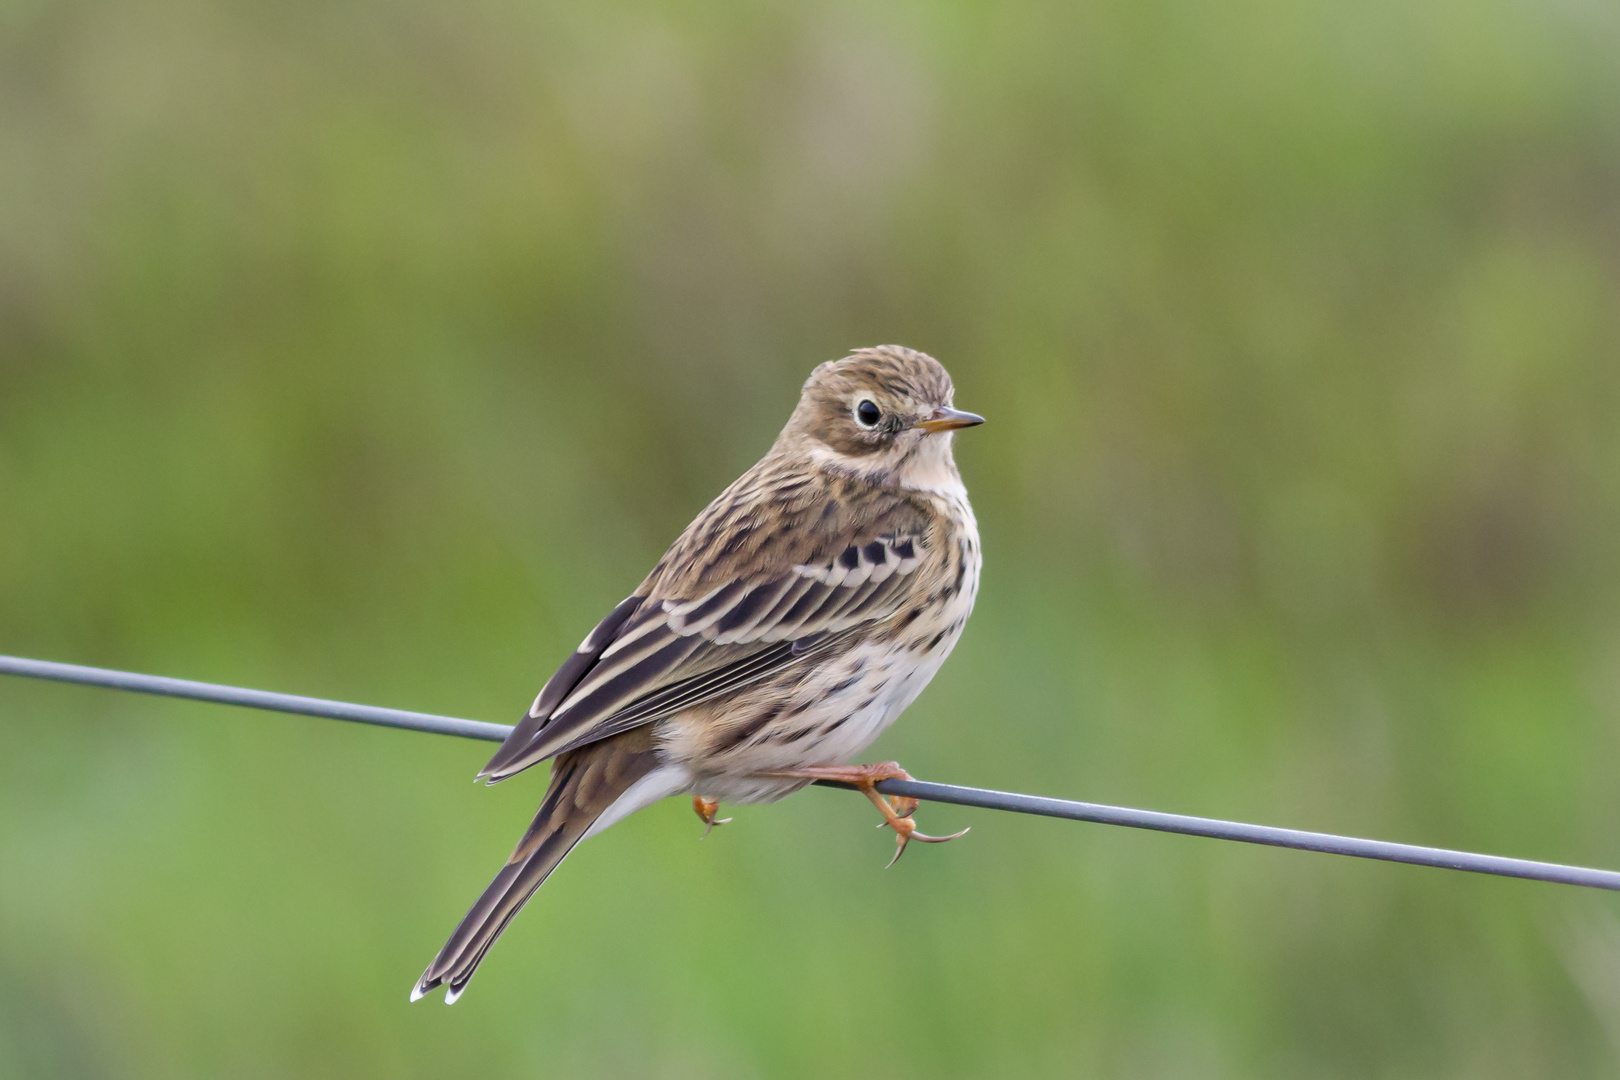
(373, 350)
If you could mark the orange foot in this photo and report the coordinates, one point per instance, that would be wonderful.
(896, 809)
(706, 809)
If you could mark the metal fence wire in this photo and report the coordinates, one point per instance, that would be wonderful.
(918, 789)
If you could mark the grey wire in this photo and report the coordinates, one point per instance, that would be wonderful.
(252, 699)
(1269, 835)
(916, 789)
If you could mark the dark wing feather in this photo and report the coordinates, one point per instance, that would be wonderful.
(735, 613)
(561, 684)
(695, 690)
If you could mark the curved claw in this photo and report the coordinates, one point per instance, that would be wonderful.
(905, 831)
(896, 809)
(706, 809)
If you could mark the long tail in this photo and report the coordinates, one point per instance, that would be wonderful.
(584, 783)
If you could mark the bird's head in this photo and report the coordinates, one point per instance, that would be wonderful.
(883, 414)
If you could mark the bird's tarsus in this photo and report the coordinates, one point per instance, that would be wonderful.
(896, 809)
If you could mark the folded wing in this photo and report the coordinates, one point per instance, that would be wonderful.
(656, 655)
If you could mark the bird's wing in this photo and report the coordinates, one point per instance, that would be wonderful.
(734, 602)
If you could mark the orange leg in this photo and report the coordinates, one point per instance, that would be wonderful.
(706, 809)
(896, 809)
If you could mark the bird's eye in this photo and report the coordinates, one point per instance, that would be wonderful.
(867, 414)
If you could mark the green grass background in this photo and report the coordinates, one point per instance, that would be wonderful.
(374, 349)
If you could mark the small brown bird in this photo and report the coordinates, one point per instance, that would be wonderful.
(790, 624)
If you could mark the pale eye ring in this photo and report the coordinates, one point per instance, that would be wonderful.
(867, 414)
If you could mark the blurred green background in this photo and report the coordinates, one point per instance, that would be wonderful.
(373, 350)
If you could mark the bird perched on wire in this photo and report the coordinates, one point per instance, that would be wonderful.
(785, 629)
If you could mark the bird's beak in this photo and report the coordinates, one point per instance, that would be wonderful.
(946, 419)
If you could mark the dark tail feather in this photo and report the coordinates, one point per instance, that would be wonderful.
(584, 783)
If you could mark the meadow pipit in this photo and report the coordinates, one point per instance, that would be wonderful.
(791, 623)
